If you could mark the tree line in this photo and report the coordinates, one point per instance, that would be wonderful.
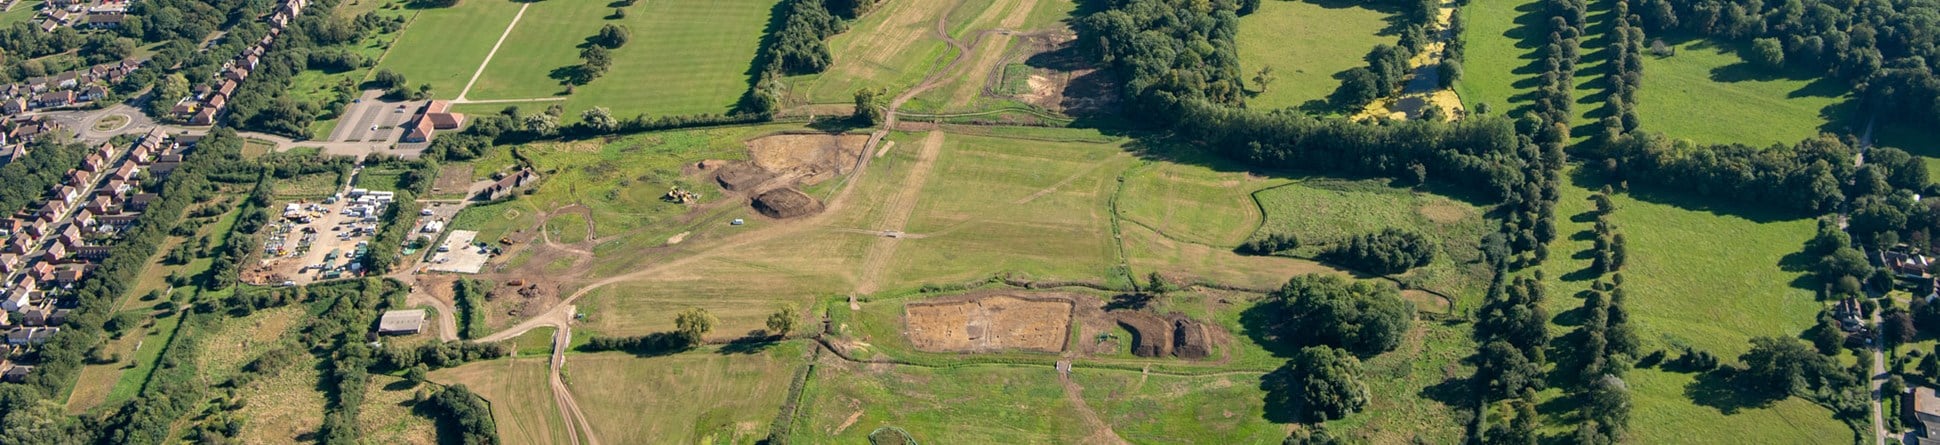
(793, 46)
(1387, 69)
(1624, 76)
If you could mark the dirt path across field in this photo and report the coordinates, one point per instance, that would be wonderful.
(1101, 432)
(897, 212)
(488, 56)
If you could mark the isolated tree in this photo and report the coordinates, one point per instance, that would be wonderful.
(385, 78)
(416, 375)
(1320, 383)
(783, 320)
(1264, 78)
(868, 107)
(693, 323)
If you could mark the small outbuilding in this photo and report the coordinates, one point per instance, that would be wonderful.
(404, 322)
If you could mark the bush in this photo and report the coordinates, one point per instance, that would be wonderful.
(1388, 252)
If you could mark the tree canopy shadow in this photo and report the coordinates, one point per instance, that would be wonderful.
(1718, 390)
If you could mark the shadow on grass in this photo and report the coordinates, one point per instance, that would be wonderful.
(1719, 390)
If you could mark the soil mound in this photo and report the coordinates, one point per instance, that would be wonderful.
(741, 176)
(786, 203)
(1155, 336)
(814, 157)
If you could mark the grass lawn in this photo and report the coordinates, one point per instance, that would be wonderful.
(385, 178)
(1705, 279)
(443, 46)
(284, 406)
(991, 205)
(534, 343)
(546, 39)
(567, 228)
(22, 11)
(1739, 103)
(686, 57)
(1324, 212)
(522, 402)
(1664, 413)
(1498, 62)
(742, 392)
(494, 221)
(845, 401)
(1306, 43)
(1210, 205)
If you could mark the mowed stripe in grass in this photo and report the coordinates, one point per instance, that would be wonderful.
(547, 39)
(1500, 56)
(1306, 43)
(685, 57)
(443, 47)
(704, 396)
(522, 403)
(994, 205)
(1737, 102)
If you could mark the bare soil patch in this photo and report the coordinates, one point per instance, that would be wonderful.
(817, 156)
(1061, 79)
(779, 164)
(990, 323)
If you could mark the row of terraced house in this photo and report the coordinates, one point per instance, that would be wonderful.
(69, 89)
(207, 102)
(53, 245)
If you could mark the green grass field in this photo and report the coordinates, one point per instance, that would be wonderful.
(686, 57)
(388, 415)
(892, 47)
(1738, 102)
(844, 402)
(1501, 46)
(1004, 205)
(22, 11)
(1324, 212)
(1306, 43)
(443, 47)
(703, 396)
(1706, 279)
(522, 402)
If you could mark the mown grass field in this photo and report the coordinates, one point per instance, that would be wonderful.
(444, 46)
(522, 402)
(844, 402)
(1183, 220)
(1324, 212)
(991, 205)
(1706, 279)
(22, 11)
(704, 396)
(1739, 103)
(686, 57)
(1307, 43)
(1498, 61)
